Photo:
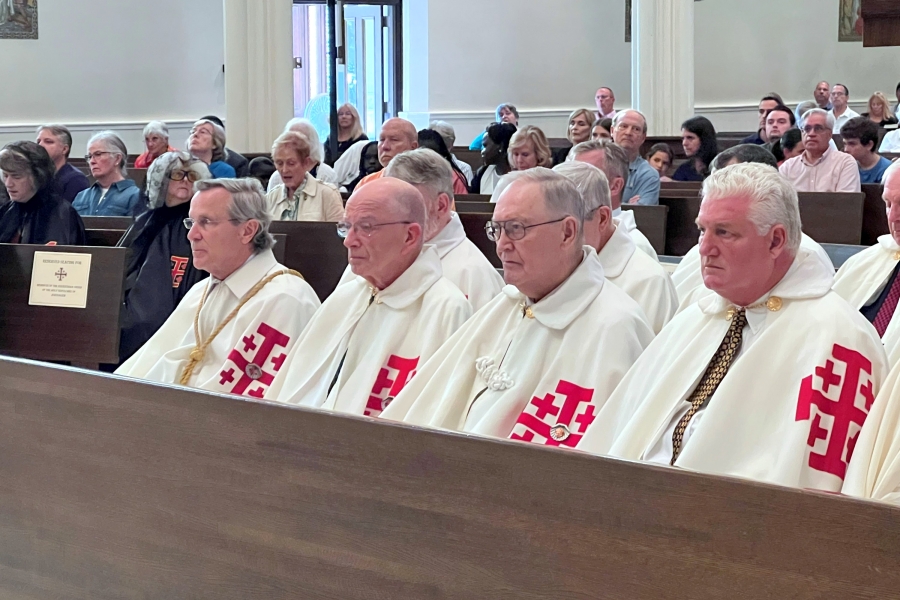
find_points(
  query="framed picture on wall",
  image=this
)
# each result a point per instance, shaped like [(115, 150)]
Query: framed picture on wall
[(850, 23), (18, 19)]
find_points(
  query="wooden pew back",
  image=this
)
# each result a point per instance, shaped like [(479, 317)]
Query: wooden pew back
[(315, 250), (114, 489), (875, 223), (80, 335), (651, 221)]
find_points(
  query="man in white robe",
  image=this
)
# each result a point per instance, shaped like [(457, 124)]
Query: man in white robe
[(540, 359), (461, 260), (768, 378), (373, 333), (869, 281), (687, 277), (231, 332), (639, 276), (613, 161)]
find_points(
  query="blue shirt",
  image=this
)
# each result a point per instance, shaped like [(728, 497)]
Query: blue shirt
[(221, 170), (478, 142), (121, 200), (643, 181), (874, 174)]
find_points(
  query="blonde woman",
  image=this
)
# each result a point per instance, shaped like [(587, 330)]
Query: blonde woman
[(528, 148), (581, 122), (350, 131), (880, 110), (300, 196)]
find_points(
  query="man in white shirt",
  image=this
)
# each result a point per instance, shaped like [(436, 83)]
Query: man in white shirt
[(539, 360), (373, 333), (821, 168), (841, 113), (231, 332), (869, 280), (639, 276), (606, 100), (613, 161), (769, 378)]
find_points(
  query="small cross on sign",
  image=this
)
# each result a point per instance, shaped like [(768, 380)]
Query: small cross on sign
[(61, 274)]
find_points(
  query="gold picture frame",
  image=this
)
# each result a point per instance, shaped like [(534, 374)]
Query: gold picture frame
[(850, 24), (18, 19)]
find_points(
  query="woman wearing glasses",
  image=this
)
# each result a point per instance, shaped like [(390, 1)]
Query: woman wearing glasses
[(37, 214), (160, 269), (111, 195)]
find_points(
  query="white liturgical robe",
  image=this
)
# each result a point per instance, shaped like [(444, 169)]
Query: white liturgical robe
[(789, 409), (862, 279), (536, 372), (626, 218), (246, 355), (364, 345), (688, 278), (874, 471), (462, 263), (639, 276)]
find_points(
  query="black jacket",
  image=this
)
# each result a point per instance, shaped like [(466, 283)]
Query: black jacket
[(43, 219), (158, 274)]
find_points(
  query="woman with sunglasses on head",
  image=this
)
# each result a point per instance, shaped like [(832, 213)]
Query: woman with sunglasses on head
[(160, 270)]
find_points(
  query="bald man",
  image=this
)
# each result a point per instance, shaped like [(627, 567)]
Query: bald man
[(373, 333), (539, 361), (397, 135)]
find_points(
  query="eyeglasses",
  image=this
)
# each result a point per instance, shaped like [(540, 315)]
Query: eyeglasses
[(96, 155), (180, 175), (364, 228), (514, 229), (204, 223), (815, 129)]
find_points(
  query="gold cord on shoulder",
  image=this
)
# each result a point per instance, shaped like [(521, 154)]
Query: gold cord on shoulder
[(199, 352)]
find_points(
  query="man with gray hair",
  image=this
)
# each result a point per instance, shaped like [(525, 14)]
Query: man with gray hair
[(540, 359), (461, 260), (821, 168), (769, 377), (373, 333), (630, 132), (448, 134), (231, 333), (613, 161), (639, 276)]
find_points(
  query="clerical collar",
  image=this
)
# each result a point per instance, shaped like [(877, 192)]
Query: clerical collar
[(248, 274), (413, 282)]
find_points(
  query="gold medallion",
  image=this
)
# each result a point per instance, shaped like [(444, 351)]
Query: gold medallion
[(774, 303), (896, 255)]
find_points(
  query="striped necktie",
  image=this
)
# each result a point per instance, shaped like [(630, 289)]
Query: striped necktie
[(886, 312)]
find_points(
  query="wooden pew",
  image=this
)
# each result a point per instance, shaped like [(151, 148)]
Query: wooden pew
[(679, 189), (470, 157), (832, 218), (473, 223), (87, 336), (681, 227), (116, 489), (315, 250), (107, 222), (875, 222), (475, 207), (651, 221)]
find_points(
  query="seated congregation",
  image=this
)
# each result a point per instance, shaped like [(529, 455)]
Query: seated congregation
[(752, 359)]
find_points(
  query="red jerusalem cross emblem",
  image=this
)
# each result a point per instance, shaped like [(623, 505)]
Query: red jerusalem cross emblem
[(390, 381), (252, 365), (179, 264), (558, 419), (841, 394)]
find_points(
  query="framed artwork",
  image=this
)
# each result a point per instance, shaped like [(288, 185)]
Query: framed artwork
[(627, 21), (850, 23), (18, 19)]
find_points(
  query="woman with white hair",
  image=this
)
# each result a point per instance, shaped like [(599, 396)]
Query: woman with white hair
[(112, 195), (160, 267), (350, 131), (156, 139), (301, 197), (207, 142), (320, 170)]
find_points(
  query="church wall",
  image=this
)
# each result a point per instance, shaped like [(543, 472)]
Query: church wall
[(113, 64)]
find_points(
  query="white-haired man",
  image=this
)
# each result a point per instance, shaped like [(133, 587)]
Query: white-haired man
[(373, 333), (688, 276), (448, 134), (630, 132), (232, 332), (613, 161), (539, 360), (869, 280), (821, 168), (462, 262), (769, 378), (639, 276)]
